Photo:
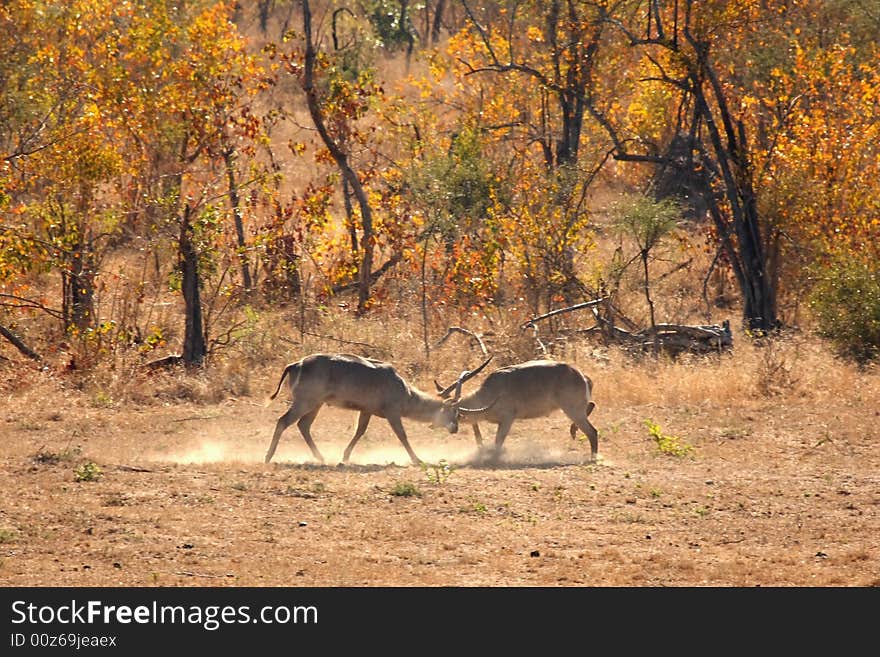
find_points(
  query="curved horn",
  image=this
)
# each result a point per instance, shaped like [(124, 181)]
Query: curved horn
[(477, 410), (464, 376)]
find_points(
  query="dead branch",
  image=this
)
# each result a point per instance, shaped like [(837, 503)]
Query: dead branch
[(464, 331), (578, 306), (164, 363), (19, 344), (23, 302), (133, 468)]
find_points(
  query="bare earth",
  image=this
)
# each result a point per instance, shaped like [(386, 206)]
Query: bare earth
[(774, 494)]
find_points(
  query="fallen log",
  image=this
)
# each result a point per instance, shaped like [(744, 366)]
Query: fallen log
[(673, 339)]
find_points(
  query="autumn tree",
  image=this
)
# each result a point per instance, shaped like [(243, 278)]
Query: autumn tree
[(556, 46), (684, 42), (60, 154), (338, 93)]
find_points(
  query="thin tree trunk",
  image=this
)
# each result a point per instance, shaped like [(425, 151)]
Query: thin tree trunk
[(349, 217), (425, 298), (78, 304), (438, 22), (235, 203), (194, 349), (341, 159)]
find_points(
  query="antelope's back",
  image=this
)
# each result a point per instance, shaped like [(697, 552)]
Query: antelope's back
[(350, 381), (536, 387)]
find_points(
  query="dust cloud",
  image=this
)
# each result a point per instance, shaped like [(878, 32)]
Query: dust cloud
[(464, 455), (211, 451)]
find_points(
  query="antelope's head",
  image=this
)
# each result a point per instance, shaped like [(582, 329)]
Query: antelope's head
[(450, 412)]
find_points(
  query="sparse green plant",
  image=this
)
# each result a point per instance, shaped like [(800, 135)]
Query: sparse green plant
[(647, 222), (6, 535), (405, 489), (53, 458), (88, 471), (438, 473), (667, 444), (474, 507), (605, 432), (654, 492)]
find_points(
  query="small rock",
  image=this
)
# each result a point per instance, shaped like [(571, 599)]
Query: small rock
[(303, 523), (535, 553)]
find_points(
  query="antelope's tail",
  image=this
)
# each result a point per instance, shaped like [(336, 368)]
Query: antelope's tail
[(289, 371)]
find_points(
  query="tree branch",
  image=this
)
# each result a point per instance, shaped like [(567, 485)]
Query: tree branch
[(19, 344)]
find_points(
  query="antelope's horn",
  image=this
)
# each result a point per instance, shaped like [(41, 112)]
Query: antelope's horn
[(464, 376)]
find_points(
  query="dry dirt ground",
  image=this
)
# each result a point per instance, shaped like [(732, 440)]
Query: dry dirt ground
[(775, 493)]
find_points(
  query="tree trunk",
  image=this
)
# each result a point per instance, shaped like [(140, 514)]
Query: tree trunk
[(78, 288), (740, 230), (194, 349), (235, 203), (438, 22), (759, 301), (341, 159), (349, 217)]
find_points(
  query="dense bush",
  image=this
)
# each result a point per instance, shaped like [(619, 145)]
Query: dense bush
[(846, 303)]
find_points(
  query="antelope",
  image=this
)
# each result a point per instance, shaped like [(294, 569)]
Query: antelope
[(370, 386), (529, 390)]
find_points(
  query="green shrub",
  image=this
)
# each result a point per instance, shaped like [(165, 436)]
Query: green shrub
[(846, 303), (405, 489), (87, 472), (672, 445), (438, 473)]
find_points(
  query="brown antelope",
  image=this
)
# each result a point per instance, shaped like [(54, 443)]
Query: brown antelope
[(529, 390), (370, 386)]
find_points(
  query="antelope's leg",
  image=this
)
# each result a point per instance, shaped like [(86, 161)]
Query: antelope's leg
[(478, 435), (501, 434), (579, 418), (363, 421), (297, 410), (397, 427), (304, 424)]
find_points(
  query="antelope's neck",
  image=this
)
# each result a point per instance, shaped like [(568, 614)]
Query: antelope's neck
[(422, 406)]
